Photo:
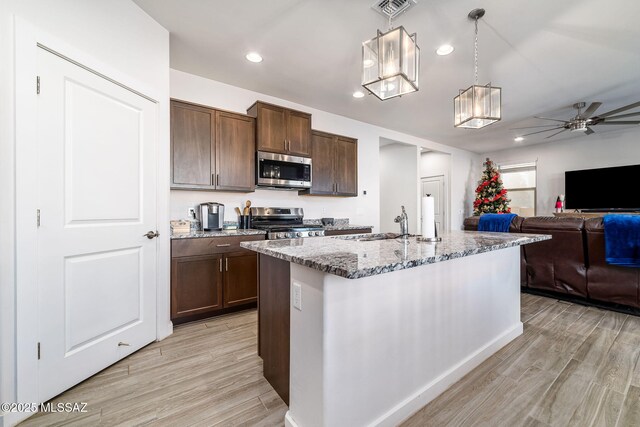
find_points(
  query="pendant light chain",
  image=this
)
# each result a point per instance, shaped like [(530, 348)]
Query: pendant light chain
[(476, 53)]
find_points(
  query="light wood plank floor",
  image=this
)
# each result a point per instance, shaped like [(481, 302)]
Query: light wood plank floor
[(573, 366)]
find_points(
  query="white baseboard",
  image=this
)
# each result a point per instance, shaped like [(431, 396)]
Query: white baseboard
[(414, 403), (288, 421)]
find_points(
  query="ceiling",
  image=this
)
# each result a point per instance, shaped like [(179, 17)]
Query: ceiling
[(545, 54)]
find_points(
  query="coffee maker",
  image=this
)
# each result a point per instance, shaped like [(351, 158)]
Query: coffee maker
[(211, 216)]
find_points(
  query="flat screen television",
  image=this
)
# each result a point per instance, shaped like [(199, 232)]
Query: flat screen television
[(584, 189)]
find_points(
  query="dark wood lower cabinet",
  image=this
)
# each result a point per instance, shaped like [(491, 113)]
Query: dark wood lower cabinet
[(240, 279), (212, 276), (196, 285), (273, 323)]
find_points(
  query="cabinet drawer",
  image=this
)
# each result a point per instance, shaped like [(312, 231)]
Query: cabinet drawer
[(210, 245)]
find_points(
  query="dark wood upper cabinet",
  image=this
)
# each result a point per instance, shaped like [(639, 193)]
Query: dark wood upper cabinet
[(346, 166), (334, 170), (211, 149), (192, 146), (235, 152), (281, 130)]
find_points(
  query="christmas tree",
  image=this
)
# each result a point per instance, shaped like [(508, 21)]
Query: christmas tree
[(491, 197)]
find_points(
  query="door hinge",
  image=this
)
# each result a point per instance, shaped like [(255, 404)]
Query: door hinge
[(38, 351), (38, 216), (38, 85)]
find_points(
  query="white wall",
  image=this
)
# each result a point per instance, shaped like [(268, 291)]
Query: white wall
[(399, 186), (618, 148), (116, 33), (433, 163), (362, 210)]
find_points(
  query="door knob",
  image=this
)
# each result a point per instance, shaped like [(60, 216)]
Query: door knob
[(121, 344), (151, 234)]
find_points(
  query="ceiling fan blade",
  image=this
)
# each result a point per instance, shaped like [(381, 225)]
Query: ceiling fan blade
[(611, 122), (589, 111), (551, 136), (540, 131), (620, 110), (623, 115), (589, 131), (555, 120), (531, 127)]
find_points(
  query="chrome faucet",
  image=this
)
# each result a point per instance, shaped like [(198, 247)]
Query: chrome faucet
[(403, 220)]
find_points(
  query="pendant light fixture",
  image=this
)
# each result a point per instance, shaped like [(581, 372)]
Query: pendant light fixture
[(478, 106), (391, 63)]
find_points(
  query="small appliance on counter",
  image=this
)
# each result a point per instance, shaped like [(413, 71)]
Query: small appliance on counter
[(211, 216)]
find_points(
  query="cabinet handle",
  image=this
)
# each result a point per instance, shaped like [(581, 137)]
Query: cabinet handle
[(213, 179), (224, 245), (217, 179), (220, 265), (337, 187), (226, 264)]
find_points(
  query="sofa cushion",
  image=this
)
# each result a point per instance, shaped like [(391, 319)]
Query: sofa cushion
[(609, 283), (558, 264)]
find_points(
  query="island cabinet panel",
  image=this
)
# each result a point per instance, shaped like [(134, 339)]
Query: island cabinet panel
[(211, 149), (274, 323), (240, 278), (334, 169), (211, 276), (196, 285), (192, 145), (281, 130)]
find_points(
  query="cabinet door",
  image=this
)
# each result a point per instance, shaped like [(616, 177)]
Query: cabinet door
[(298, 133), (235, 152), (271, 122), (240, 278), (192, 142), (346, 169), (196, 285), (323, 159)]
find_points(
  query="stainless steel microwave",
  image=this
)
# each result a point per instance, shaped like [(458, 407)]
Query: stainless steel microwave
[(282, 171)]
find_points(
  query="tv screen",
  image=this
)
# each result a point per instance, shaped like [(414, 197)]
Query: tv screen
[(603, 189)]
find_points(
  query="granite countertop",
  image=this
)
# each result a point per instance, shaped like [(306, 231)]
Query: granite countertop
[(346, 227), (347, 256), (219, 233)]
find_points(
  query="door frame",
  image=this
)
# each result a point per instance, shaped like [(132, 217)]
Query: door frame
[(26, 41), (445, 202)]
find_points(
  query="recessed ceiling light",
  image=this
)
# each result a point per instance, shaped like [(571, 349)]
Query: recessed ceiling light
[(253, 57), (358, 94), (518, 139), (445, 49)]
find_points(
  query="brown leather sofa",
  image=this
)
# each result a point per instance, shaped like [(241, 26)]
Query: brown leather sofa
[(572, 264)]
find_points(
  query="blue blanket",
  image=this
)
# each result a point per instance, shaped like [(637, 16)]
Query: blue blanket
[(622, 240), (495, 222)]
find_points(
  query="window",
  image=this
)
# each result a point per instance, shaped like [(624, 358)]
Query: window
[(520, 182)]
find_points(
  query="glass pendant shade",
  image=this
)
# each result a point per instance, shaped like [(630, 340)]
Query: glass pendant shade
[(477, 107), (390, 64)]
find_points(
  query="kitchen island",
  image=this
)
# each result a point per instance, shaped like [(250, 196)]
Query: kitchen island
[(376, 327)]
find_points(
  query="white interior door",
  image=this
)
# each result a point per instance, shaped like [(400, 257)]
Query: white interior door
[(435, 186), (96, 197)]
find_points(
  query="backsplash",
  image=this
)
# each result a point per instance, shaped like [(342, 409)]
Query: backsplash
[(314, 207)]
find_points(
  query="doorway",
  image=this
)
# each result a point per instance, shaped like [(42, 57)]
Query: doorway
[(435, 187)]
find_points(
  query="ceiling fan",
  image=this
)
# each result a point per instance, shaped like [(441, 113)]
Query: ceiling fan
[(584, 120)]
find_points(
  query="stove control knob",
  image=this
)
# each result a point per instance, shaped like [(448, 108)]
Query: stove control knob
[(281, 235), (314, 233), (298, 234)]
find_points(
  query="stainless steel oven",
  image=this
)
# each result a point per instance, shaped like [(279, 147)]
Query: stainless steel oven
[(282, 171)]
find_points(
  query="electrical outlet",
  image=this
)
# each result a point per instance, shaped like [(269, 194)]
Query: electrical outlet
[(297, 296), (191, 213)]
